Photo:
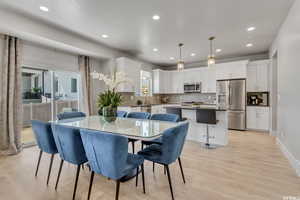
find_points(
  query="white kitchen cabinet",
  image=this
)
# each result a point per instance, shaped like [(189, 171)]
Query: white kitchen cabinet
[(258, 118), (159, 82), (209, 83), (133, 70), (258, 76), (231, 70)]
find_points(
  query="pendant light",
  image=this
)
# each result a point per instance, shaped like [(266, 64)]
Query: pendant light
[(180, 64), (211, 58)]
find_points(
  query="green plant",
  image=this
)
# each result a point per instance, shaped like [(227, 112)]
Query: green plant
[(36, 90), (109, 98)]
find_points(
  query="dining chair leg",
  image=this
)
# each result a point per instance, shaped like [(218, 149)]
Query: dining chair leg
[(169, 179), (165, 170), (91, 184), (143, 178), (132, 144), (117, 190), (153, 166), (38, 164), (50, 168), (137, 177), (59, 172), (179, 160), (76, 181)]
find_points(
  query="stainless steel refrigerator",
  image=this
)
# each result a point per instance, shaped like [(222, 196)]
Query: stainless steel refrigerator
[(231, 95)]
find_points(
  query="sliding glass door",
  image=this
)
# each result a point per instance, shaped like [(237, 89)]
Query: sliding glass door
[(45, 94)]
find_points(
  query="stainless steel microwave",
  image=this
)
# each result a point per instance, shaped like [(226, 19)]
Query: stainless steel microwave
[(192, 87)]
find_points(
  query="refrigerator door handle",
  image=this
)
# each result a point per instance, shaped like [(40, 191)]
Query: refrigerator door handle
[(229, 97)]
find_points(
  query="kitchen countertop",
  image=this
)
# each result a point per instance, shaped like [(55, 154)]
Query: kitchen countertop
[(197, 107)]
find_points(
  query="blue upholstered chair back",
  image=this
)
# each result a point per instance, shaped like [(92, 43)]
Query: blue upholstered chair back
[(69, 144), (121, 113), (107, 153), (172, 143), (165, 117), (69, 115), (138, 115), (44, 136)]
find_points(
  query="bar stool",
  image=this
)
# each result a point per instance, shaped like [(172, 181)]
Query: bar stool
[(176, 111), (208, 117)]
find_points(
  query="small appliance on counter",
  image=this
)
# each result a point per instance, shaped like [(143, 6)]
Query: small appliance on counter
[(258, 99)]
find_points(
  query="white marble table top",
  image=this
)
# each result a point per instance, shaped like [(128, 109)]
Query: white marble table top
[(128, 127)]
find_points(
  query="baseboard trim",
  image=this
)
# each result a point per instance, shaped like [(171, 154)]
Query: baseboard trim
[(291, 158)]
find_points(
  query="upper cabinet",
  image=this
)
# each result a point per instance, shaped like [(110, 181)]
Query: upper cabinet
[(231, 70), (258, 76), (133, 70), (172, 82)]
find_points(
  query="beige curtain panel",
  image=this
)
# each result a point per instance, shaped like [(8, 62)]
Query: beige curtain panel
[(10, 98), (84, 68)]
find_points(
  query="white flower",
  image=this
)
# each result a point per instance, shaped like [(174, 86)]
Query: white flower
[(112, 83)]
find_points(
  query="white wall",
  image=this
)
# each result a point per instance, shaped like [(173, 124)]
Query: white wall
[(287, 46)]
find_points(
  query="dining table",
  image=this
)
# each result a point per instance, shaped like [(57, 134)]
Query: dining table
[(141, 129)]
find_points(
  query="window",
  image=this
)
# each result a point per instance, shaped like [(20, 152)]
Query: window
[(73, 85), (36, 82), (146, 83)]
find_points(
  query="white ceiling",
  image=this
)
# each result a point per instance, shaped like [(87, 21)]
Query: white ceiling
[(130, 26)]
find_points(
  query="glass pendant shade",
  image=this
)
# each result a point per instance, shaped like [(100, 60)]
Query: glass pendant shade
[(211, 60), (180, 65)]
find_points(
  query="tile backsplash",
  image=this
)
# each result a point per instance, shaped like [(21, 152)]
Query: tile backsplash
[(209, 98), (131, 99)]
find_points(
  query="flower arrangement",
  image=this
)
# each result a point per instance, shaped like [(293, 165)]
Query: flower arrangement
[(109, 100)]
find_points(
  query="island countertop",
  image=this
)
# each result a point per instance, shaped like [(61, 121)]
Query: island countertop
[(200, 107)]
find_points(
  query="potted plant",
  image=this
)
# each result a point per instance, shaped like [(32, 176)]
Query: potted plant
[(110, 99), (108, 103)]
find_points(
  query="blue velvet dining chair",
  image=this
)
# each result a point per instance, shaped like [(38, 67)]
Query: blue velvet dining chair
[(70, 148), (45, 141), (69, 115), (137, 115), (108, 155), (169, 151), (160, 117), (121, 113)]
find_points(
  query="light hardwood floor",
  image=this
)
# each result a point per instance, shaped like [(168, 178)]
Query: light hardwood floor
[(250, 167)]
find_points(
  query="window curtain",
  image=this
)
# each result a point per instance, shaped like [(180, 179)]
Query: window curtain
[(84, 68), (10, 98)]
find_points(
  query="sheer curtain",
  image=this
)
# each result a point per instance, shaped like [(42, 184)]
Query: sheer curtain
[(10, 98), (84, 68)]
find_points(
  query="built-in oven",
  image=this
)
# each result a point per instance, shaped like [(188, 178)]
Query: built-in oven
[(192, 87)]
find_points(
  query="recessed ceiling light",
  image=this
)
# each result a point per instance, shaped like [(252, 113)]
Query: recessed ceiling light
[(155, 49), (44, 8), (104, 36), (249, 45), (218, 50), (193, 54), (252, 28), (155, 17), (172, 58)]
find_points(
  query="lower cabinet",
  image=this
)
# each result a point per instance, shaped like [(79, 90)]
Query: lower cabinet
[(258, 118)]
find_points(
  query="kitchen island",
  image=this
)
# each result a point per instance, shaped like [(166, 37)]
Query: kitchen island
[(197, 131)]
